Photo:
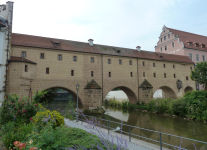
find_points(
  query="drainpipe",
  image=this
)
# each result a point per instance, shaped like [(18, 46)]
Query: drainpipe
[(7, 61), (138, 79), (102, 75)]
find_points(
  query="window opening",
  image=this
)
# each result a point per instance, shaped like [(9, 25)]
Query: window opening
[(91, 73), (47, 70), (26, 68), (109, 74), (24, 54), (92, 60), (59, 57), (72, 72), (42, 56), (109, 61), (74, 58)]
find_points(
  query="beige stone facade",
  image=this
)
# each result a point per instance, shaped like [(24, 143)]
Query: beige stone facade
[(126, 73)]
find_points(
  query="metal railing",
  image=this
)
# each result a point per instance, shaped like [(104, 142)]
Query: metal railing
[(82, 116)]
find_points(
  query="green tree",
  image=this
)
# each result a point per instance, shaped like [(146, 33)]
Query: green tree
[(200, 73)]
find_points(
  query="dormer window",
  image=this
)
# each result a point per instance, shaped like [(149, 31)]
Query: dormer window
[(159, 55), (55, 43), (190, 43), (203, 45), (196, 44), (118, 51)]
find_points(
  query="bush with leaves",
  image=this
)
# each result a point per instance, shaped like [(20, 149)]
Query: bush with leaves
[(196, 104), (178, 107), (160, 105)]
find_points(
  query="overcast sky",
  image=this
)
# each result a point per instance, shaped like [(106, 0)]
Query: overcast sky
[(121, 23)]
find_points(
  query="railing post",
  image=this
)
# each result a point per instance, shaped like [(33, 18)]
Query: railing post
[(108, 127), (160, 141), (93, 123), (81, 119), (129, 135)]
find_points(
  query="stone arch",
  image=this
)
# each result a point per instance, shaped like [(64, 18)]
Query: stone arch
[(130, 94), (187, 89), (168, 92), (74, 94)]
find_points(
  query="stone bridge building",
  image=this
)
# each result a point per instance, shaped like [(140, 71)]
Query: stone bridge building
[(42, 63)]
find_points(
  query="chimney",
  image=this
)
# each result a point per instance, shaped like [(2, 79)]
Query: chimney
[(138, 48), (90, 42)]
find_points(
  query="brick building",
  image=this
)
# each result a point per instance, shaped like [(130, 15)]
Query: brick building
[(177, 42)]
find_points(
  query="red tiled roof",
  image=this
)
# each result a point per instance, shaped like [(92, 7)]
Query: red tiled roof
[(20, 59), (44, 42), (186, 37)]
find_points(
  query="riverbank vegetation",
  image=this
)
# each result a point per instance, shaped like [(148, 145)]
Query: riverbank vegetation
[(193, 105)]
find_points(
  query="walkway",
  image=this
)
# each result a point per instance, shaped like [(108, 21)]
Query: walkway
[(135, 144)]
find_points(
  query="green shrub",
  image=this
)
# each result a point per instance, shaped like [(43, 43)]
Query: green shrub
[(160, 105), (43, 117), (178, 107), (196, 104)]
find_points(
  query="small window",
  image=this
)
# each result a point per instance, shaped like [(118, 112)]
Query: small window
[(191, 68), (109, 74), (153, 64), (203, 58), (161, 39), (72, 72), (26, 68), (118, 51), (203, 45), (197, 57), (165, 76), (174, 75), (131, 74), (191, 56), (74, 58), (143, 64), (173, 44), (91, 73), (59, 57), (164, 65), (173, 66), (190, 43), (143, 74), (24, 54), (42, 56), (165, 47), (160, 49), (109, 61), (186, 77), (196, 44), (120, 62), (168, 36), (164, 37), (154, 74), (47, 70), (92, 60), (130, 62)]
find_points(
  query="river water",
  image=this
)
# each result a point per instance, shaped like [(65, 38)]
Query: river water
[(167, 124)]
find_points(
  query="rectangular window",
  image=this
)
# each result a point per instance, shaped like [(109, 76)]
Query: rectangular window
[(109, 61), (161, 39), (165, 76), (92, 60), (74, 58), (42, 56), (154, 74), (168, 36), (143, 74), (173, 44), (204, 58), (186, 77), (109, 74), (24, 54), (120, 62), (91, 73), (72, 72), (164, 65), (164, 37), (160, 49), (131, 74), (197, 57), (143, 64), (59, 57), (165, 47), (47, 71), (173, 66), (130, 62), (191, 56), (174, 75), (26, 68), (153, 64), (191, 68)]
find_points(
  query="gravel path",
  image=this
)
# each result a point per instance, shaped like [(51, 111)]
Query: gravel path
[(140, 145)]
